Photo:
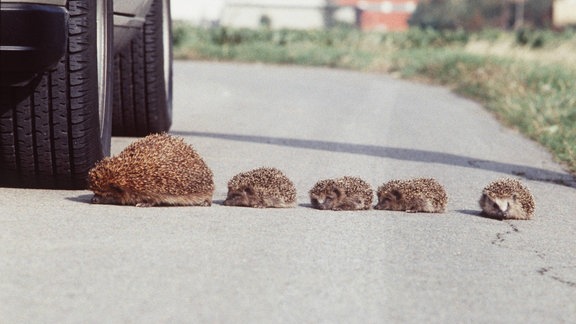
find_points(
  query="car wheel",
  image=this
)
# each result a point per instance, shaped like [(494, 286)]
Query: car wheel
[(143, 77), (54, 129)]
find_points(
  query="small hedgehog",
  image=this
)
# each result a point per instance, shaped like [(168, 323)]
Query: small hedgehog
[(261, 188), (158, 169), (346, 193), (413, 196), (507, 199)]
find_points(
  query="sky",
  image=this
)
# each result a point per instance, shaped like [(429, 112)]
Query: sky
[(196, 10)]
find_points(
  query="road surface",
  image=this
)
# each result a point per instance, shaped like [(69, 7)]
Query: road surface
[(63, 260)]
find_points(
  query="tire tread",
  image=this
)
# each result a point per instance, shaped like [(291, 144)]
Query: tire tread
[(141, 104), (49, 130)]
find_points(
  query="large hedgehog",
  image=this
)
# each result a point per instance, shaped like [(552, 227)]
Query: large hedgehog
[(156, 170), (413, 196), (261, 188), (507, 199), (346, 193)]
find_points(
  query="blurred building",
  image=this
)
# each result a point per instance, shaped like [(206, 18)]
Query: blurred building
[(293, 14), (386, 15), (383, 15), (205, 13), (564, 13)]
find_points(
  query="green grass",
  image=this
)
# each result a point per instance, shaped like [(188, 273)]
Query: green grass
[(537, 97)]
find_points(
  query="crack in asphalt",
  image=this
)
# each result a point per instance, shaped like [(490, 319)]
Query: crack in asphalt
[(546, 272), (501, 237)]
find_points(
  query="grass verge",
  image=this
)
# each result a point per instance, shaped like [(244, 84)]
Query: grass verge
[(537, 99), (535, 96)]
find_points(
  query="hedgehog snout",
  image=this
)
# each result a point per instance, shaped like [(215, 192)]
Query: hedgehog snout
[(322, 203), (508, 212), (97, 199), (236, 198), (503, 207), (103, 199), (385, 201), (328, 202)]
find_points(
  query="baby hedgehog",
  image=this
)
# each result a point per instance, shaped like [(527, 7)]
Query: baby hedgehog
[(158, 169), (261, 188), (415, 195), (507, 199), (346, 193)]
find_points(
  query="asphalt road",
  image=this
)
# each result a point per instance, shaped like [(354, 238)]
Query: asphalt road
[(63, 260)]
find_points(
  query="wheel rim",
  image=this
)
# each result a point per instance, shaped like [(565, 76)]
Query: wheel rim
[(103, 55), (167, 53)]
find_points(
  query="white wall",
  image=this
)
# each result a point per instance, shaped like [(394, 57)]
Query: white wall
[(240, 16), (564, 12), (294, 14), (299, 14), (196, 11)]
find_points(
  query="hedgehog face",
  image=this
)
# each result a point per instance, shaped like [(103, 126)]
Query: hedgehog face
[(502, 207), (240, 197), (110, 194), (494, 207), (326, 199), (103, 181), (389, 200)]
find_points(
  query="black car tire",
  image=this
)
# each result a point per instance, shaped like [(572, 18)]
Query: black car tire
[(54, 129), (143, 77)]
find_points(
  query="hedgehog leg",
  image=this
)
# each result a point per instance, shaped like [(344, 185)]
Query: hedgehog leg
[(144, 204), (206, 203)]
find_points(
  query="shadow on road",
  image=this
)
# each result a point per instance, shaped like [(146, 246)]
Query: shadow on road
[(477, 213), (526, 172)]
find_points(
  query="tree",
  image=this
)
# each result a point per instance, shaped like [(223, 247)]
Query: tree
[(473, 15)]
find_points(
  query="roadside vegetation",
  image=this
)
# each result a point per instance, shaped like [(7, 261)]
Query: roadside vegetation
[(526, 78)]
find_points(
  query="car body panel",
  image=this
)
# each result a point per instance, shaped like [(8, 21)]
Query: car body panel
[(33, 38), (43, 2), (136, 8), (18, 46), (131, 13)]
